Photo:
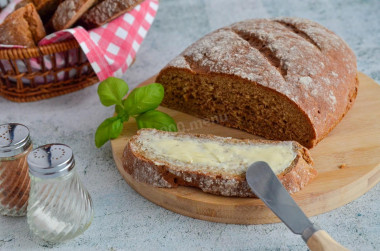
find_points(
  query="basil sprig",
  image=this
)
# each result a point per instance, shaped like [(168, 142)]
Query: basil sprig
[(144, 99), (140, 104)]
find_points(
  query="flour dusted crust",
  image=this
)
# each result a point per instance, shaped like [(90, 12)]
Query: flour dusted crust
[(22, 27), (162, 174), (68, 12), (106, 11), (300, 61)]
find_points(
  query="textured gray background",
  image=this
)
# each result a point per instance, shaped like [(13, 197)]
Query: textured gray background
[(125, 220)]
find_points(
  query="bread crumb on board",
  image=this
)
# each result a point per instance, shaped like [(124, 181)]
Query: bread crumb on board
[(342, 166)]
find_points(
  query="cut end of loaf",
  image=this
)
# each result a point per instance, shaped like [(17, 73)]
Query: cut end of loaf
[(35, 24), (283, 79), (244, 105), (214, 164)]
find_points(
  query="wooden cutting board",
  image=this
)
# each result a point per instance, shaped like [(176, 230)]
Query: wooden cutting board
[(355, 143)]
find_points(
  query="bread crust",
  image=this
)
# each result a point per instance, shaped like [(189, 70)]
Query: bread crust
[(301, 62), (68, 12), (22, 27), (145, 170), (106, 11), (22, 4)]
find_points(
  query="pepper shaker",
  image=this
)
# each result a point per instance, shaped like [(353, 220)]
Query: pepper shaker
[(60, 208), (15, 144)]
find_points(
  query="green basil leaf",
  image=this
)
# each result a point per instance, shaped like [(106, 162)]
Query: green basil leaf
[(156, 119), (112, 90), (119, 109), (144, 99), (108, 129), (123, 115)]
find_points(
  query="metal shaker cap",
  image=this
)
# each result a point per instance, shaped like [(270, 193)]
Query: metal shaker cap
[(14, 139), (51, 161)]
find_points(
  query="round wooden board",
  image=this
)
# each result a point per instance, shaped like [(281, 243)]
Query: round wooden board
[(355, 142)]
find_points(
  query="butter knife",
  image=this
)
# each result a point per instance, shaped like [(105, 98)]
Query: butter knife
[(265, 184)]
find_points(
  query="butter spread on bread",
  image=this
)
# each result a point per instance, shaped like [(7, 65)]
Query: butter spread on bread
[(214, 164), (283, 79), (231, 158)]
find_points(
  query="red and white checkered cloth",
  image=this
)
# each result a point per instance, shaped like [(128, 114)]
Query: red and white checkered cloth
[(111, 48)]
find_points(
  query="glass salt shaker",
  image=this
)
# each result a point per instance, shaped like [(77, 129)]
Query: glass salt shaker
[(60, 208), (15, 144)]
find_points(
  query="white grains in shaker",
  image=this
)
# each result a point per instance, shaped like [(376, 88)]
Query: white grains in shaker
[(60, 208)]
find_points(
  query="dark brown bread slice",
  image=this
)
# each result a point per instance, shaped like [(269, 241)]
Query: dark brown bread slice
[(106, 11), (69, 11), (283, 79), (163, 173), (22, 27)]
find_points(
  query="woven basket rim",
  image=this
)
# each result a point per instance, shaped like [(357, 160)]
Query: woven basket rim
[(26, 53)]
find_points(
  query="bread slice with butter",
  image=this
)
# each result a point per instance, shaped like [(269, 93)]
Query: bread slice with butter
[(214, 164)]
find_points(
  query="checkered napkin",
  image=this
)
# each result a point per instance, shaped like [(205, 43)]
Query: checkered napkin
[(111, 48)]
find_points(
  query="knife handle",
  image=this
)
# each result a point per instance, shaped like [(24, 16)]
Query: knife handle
[(322, 241)]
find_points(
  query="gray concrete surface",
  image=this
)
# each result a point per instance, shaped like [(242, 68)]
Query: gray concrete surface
[(126, 221)]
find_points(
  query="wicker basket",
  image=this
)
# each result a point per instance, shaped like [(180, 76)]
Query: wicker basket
[(42, 72)]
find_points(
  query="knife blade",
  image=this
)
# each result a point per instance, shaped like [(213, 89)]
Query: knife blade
[(265, 184)]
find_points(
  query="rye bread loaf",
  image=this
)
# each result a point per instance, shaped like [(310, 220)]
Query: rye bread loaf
[(106, 11), (145, 164), (22, 27), (283, 79)]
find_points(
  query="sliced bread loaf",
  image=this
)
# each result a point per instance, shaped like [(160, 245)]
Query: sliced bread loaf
[(282, 79), (214, 164), (22, 27), (68, 12), (106, 11)]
